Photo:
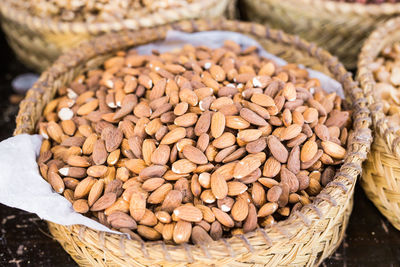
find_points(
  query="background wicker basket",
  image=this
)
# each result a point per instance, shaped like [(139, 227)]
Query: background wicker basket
[(38, 42), (381, 177), (306, 238), (338, 27)]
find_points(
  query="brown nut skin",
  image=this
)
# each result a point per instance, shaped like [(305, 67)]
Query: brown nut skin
[(193, 145)]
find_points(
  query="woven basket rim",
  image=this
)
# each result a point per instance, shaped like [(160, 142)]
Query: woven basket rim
[(36, 23), (309, 214), (346, 7), (368, 83)]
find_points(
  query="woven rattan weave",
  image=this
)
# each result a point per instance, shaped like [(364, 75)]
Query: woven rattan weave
[(381, 178)]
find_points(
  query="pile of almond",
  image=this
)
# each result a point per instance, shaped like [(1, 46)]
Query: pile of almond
[(95, 10), (193, 144), (386, 70)]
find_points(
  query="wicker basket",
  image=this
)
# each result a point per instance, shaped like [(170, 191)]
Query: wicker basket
[(306, 238), (38, 42), (381, 177), (336, 26)]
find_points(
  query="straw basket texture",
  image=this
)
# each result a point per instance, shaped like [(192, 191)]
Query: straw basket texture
[(336, 26), (381, 178), (306, 238), (39, 41)]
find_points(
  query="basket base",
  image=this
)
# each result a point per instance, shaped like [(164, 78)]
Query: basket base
[(380, 181), (85, 253)]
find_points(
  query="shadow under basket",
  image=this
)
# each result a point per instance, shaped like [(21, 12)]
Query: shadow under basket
[(381, 176), (339, 27), (38, 42), (307, 237)]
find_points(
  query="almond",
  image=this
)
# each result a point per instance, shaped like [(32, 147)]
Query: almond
[(240, 210), (277, 149), (152, 184), (160, 156), (225, 140), (119, 219), (251, 221), (168, 231), (188, 213), (137, 205), (95, 192), (148, 232), (99, 152), (87, 108), (81, 206), (246, 166), (216, 230), (262, 100), (217, 124), (104, 202), (289, 92), (267, 209), (181, 108), (289, 178), (152, 171), (290, 132), (56, 182), (159, 194), (172, 200), (182, 232), (195, 155), (310, 115), (258, 194), (252, 117), (135, 165), (173, 136), (148, 219), (54, 131), (200, 236), (217, 73), (186, 120), (112, 137), (236, 188), (334, 150), (84, 187), (293, 163), (97, 171), (249, 135), (203, 123), (223, 217), (322, 132), (236, 122), (78, 161), (308, 150), (219, 187), (183, 166), (148, 147)]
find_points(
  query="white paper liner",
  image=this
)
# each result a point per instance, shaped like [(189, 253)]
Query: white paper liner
[(21, 185)]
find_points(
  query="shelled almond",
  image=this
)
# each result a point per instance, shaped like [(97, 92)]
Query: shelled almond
[(194, 144), (386, 69), (95, 10)]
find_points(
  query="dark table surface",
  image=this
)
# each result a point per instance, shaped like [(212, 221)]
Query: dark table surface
[(25, 241)]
